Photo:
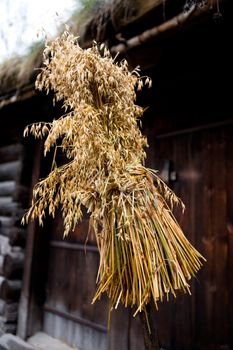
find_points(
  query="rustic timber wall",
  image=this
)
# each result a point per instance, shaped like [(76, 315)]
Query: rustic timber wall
[(201, 160), (12, 236)]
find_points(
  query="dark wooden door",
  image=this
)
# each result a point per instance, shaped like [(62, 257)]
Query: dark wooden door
[(72, 269), (71, 283), (202, 162)]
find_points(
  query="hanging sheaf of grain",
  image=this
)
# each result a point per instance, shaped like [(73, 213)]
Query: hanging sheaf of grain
[(144, 254)]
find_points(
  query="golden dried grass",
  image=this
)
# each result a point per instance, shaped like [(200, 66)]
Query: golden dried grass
[(144, 254)]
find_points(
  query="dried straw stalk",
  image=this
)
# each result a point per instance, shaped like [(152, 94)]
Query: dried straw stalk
[(144, 254)]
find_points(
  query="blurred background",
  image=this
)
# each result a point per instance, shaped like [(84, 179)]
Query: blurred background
[(47, 282)]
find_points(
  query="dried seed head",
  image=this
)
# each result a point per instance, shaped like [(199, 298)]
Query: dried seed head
[(143, 252)]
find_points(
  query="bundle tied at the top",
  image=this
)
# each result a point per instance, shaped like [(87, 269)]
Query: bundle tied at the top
[(144, 254)]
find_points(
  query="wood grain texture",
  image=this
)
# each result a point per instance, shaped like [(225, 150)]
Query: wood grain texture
[(10, 152), (10, 170), (203, 161)]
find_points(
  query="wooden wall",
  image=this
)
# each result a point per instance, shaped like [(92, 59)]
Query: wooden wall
[(71, 284), (16, 160), (203, 164), (12, 236)]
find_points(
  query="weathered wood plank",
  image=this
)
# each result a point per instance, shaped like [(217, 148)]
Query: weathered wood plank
[(2, 306), (7, 307), (136, 340), (13, 264), (79, 235), (30, 324), (68, 288), (8, 205), (5, 201), (14, 233), (11, 209), (20, 194), (74, 246), (197, 222), (6, 221), (10, 152), (7, 313), (10, 170), (17, 236), (195, 166), (229, 225), (78, 335), (1, 264), (9, 327), (220, 315), (10, 290), (184, 188), (77, 319), (4, 245), (7, 188), (120, 319)]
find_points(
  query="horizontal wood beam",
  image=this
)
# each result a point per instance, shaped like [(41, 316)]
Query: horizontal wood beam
[(16, 235), (12, 209), (10, 290), (10, 327), (13, 264), (19, 193), (10, 152), (74, 246), (4, 245), (76, 319), (6, 221), (7, 307), (7, 188), (10, 170), (8, 311)]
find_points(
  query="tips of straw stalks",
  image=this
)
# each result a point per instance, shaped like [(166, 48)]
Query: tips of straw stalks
[(144, 253)]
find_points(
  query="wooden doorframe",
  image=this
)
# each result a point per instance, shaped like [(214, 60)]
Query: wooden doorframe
[(26, 301)]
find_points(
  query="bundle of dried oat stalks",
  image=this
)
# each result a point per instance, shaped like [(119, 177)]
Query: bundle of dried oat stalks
[(144, 254)]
